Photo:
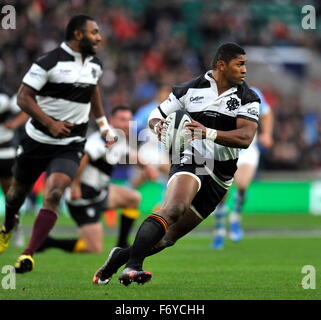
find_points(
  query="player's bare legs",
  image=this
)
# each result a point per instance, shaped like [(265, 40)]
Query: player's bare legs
[(5, 184), (18, 235), (118, 197), (119, 257), (93, 235), (180, 193), (15, 197), (55, 186), (129, 200)]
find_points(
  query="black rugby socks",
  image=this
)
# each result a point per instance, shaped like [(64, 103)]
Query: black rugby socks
[(149, 234), (68, 245), (125, 227)]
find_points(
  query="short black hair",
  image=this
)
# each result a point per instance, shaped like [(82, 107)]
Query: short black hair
[(76, 23), (114, 110), (227, 52)]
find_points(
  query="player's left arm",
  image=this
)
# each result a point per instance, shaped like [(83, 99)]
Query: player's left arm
[(241, 137), (266, 125), (247, 120), (99, 114)]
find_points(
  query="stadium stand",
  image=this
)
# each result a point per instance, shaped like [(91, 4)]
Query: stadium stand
[(150, 42)]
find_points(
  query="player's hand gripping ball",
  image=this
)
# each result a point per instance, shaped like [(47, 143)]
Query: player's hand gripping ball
[(173, 134)]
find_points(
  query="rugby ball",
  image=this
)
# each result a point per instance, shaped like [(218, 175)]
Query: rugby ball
[(173, 134)]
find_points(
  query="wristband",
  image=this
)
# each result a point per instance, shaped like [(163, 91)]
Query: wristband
[(102, 124), (211, 134)]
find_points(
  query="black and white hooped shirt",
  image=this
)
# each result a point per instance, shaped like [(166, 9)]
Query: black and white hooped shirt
[(200, 99), (8, 109), (97, 174), (64, 85)]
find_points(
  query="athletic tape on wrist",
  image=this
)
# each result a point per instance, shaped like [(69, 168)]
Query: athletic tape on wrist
[(102, 124), (211, 134)]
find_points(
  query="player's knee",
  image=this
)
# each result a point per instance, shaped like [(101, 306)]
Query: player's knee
[(174, 211), (53, 196), (16, 196), (167, 243), (163, 244)]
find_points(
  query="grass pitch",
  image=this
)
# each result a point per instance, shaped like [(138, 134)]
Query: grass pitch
[(261, 267)]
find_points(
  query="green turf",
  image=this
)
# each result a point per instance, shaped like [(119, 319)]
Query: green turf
[(253, 221), (261, 268)]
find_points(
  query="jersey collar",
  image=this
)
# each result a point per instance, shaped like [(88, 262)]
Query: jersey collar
[(214, 85), (65, 47), (69, 50)]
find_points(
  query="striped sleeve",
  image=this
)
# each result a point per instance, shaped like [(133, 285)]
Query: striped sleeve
[(4, 102), (170, 105)]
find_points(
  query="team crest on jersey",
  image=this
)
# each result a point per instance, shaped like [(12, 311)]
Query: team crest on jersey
[(232, 104)]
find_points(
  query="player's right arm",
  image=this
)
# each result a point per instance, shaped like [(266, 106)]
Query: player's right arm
[(26, 100), (33, 81), (157, 117)]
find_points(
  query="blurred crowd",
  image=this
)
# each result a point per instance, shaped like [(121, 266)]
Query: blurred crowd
[(148, 43), (297, 138)]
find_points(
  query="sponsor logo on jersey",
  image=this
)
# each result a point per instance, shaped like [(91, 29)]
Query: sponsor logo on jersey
[(65, 71), (253, 111), (34, 74), (196, 99)]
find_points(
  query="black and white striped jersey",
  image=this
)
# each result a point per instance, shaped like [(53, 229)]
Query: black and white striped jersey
[(97, 174), (200, 99), (8, 109), (64, 85)]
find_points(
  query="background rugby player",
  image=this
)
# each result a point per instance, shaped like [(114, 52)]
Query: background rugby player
[(58, 92)]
